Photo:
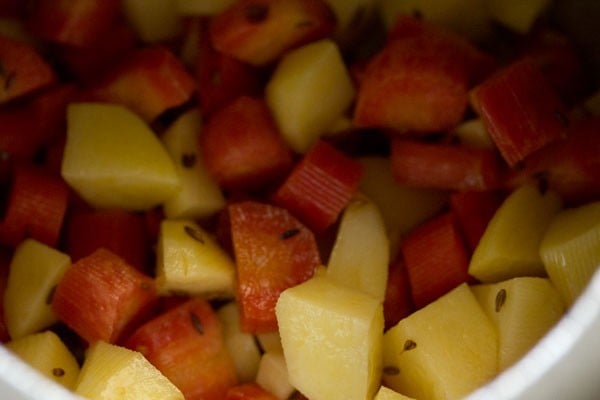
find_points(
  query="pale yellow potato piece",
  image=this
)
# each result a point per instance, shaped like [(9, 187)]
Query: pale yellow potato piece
[(45, 352), (570, 249), (190, 261), (510, 244), (112, 372), (518, 15), (361, 253), (523, 310), (114, 160), (308, 91), (473, 133), (199, 195), (385, 393), (443, 351), (35, 270), (273, 375), (153, 20), (402, 207), (331, 337), (242, 346)]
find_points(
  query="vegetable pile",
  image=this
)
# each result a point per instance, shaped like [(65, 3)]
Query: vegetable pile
[(307, 199)]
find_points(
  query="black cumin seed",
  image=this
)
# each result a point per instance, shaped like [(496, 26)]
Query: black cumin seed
[(289, 233), (196, 323), (194, 233), (256, 13), (391, 370), (500, 299), (188, 160), (409, 345)]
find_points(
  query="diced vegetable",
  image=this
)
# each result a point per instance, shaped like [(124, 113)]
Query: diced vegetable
[(185, 343), (328, 330), (308, 91), (22, 69), (199, 195), (122, 232), (570, 249), (242, 346), (523, 310), (473, 211), (273, 375), (35, 270), (273, 251), (149, 81), (242, 147), (74, 23), (259, 32), (37, 204), (360, 255), (101, 297), (510, 244), (191, 262), (320, 186), (154, 21), (112, 371), (385, 393), (519, 128), (46, 352), (221, 78), (443, 351), (436, 259), (403, 207), (518, 15), (444, 166), (113, 159)]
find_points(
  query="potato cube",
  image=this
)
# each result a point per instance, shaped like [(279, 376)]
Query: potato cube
[(190, 261), (510, 244), (443, 351), (46, 353), (113, 372), (331, 337), (361, 254), (570, 249), (523, 309), (114, 160), (35, 270), (309, 90)]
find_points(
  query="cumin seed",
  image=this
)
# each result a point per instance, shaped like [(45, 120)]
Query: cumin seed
[(409, 345), (500, 299), (289, 233), (196, 323), (194, 233), (188, 160)]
